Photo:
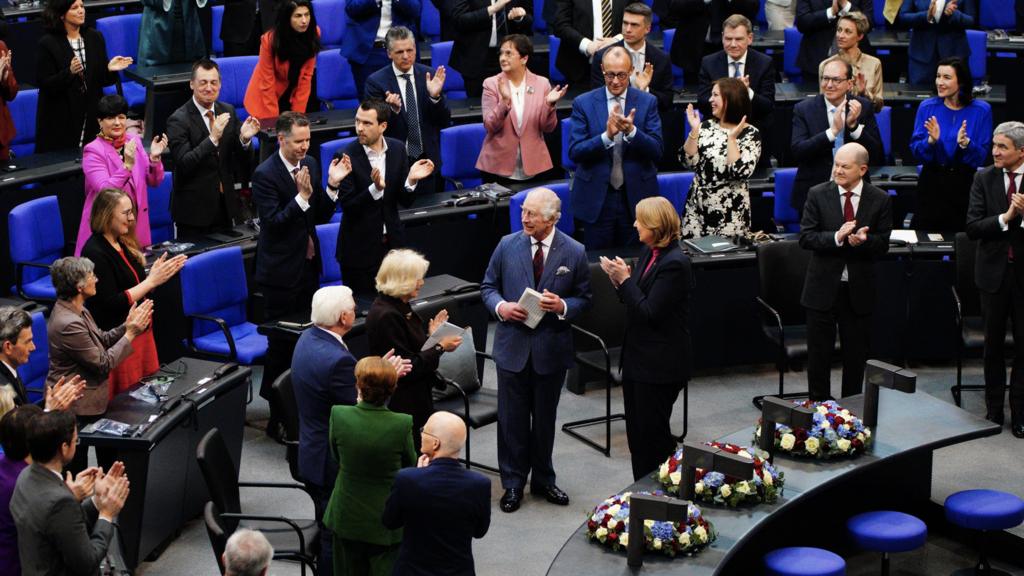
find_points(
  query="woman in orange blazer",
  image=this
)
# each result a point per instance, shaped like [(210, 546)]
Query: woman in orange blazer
[(519, 107), (283, 76), (8, 90)]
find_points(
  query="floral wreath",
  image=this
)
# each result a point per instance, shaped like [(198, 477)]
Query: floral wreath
[(836, 432), (765, 486), (608, 525)]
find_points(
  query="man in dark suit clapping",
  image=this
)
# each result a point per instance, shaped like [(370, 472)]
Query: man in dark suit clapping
[(209, 147), (698, 25), (994, 219), (846, 223), (737, 60), (441, 505)]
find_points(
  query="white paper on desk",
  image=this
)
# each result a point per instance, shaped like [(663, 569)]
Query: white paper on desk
[(530, 301), (443, 331), (908, 236)]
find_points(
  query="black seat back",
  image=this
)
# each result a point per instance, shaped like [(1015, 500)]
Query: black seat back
[(283, 397), (781, 269), (965, 252), (221, 475), (606, 316), (217, 533)]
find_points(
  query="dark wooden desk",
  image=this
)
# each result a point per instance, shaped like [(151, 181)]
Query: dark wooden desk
[(894, 473), (167, 488), (166, 89)]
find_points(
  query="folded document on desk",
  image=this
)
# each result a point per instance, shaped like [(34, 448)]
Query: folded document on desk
[(711, 244)]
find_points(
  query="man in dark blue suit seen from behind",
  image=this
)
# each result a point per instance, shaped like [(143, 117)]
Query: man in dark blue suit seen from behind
[(532, 362), (737, 60), (290, 202), (323, 376), (616, 145), (419, 109), (440, 504)]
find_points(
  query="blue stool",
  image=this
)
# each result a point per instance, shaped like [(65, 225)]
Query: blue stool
[(802, 561), (984, 510), (886, 532)]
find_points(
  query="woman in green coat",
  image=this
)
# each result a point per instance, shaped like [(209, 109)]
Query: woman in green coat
[(170, 32), (371, 444)]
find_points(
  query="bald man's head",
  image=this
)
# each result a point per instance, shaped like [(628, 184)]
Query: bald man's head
[(850, 165), (445, 434), (616, 65)]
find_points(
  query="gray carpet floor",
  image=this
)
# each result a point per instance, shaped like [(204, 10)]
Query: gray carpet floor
[(719, 404)]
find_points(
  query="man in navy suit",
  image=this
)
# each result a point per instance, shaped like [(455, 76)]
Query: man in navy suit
[(441, 505), (821, 125), (737, 60), (323, 376), (698, 25), (616, 145), (816, 20), (937, 34), (368, 23), (291, 202), (382, 179), (419, 109), (532, 362)]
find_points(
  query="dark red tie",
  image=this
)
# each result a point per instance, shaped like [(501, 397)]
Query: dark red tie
[(1010, 191), (538, 263), (848, 207)]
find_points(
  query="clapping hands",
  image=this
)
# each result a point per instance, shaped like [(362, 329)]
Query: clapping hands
[(339, 169), (556, 94), (618, 123), (436, 82), (617, 269)]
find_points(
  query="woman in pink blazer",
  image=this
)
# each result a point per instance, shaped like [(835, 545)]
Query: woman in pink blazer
[(519, 108), (116, 159)]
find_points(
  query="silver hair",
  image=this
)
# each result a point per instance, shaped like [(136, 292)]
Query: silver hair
[(247, 553), (396, 33), (551, 210), (12, 321), (329, 303), (69, 274), (1013, 130)]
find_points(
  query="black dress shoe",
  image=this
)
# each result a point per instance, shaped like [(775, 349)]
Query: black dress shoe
[(551, 493), (511, 499), (1018, 430)]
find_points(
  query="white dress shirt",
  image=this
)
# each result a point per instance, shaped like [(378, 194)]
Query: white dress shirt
[(385, 19), (336, 337)]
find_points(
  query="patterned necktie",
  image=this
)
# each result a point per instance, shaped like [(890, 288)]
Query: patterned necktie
[(414, 146), (310, 247), (606, 19), (616, 178), (1010, 191), (736, 68), (538, 263), (848, 214)]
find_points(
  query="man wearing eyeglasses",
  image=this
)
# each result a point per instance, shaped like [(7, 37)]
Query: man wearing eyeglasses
[(822, 124), (616, 144)]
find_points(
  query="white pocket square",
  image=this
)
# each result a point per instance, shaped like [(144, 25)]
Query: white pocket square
[(562, 270)]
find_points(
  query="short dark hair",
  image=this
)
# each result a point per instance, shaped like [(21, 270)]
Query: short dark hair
[(205, 64), (640, 9), (382, 108), (520, 42), (52, 16), (48, 432), (735, 98), (287, 120), (111, 105), (963, 77), (12, 321), (14, 430), (375, 380)]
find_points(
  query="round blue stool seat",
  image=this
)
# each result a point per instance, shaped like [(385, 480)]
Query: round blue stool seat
[(984, 509), (802, 561), (887, 531)]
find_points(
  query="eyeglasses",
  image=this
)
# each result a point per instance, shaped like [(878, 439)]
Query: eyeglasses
[(616, 76), (423, 432), (832, 80)]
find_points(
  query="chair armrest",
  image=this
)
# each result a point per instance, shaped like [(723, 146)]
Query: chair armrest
[(232, 352), (19, 274), (279, 485), (958, 308), (770, 312), (456, 183), (461, 391), (282, 519), (600, 342)]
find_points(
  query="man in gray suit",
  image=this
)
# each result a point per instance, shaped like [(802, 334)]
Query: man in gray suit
[(531, 362), (61, 530)]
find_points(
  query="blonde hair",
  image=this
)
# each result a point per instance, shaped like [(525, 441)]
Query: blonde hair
[(400, 271), (375, 380), (659, 216), (6, 399)]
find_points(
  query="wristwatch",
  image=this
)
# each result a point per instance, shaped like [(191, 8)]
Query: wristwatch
[(438, 348)]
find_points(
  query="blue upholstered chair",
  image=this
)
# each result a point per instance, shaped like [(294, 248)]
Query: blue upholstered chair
[(33, 372), (217, 22), (994, 14), (786, 217), (675, 186), (23, 112), (330, 271), (335, 86), (235, 72), (565, 223), (328, 150), (214, 297), (121, 34), (161, 224), (978, 42), (884, 119), (667, 37), (803, 561), (430, 21), (454, 85), (878, 21), (887, 531), (37, 239), (554, 74), (789, 53), (540, 25), (983, 511), (567, 164), (332, 20), (460, 147)]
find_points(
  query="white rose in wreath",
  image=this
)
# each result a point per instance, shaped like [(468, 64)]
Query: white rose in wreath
[(698, 488), (675, 477), (700, 534), (788, 441), (767, 479), (843, 444), (812, 445), (684, 539), (725, 490)]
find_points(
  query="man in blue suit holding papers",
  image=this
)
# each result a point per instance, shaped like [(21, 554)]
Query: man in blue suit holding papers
[(616, 145), (532, 362)]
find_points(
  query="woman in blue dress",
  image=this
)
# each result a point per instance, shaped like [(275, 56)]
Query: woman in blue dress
[(951, 139)]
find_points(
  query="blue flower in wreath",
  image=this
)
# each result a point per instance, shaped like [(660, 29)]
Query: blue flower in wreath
[(714, 480), (662, 530)]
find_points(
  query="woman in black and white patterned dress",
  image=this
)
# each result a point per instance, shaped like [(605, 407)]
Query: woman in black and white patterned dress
[(723, 152)]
